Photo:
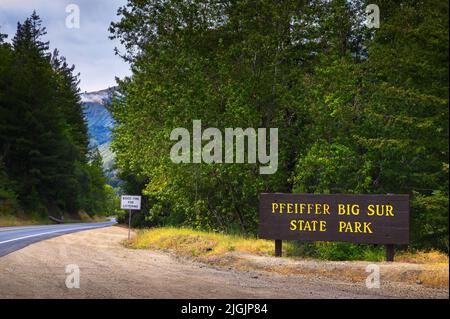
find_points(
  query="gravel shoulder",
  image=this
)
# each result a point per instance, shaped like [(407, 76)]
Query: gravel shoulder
[(109, 270)]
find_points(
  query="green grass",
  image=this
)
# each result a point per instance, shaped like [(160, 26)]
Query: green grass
[(338, 251)]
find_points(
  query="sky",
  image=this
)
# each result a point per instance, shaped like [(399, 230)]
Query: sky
[(87, 47)]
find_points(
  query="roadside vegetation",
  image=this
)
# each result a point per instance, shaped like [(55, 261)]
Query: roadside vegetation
[(195, 243), (24, 219), (359, 111), (429, 268), (11, 220)]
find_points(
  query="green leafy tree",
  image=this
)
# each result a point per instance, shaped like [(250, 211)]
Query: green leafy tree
[(230, 64), (94, 196), (358, 110)]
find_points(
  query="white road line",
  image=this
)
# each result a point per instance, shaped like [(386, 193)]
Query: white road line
[(46, 233)]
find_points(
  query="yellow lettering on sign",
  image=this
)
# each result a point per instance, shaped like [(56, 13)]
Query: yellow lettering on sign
[(293, 225), (301, 208), (380, 210), (355, 227), (323, 226), (348, 209), (289, 208), (367, 228), (389, 210), (308, 225), (318, 209), (274, 207)]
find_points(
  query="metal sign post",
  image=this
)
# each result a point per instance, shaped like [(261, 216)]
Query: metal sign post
[(129, 224), (130, 203)]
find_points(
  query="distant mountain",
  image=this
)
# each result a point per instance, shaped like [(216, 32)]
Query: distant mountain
[(100, 123)]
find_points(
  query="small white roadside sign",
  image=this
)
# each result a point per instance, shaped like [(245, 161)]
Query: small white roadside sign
[(130, 202)]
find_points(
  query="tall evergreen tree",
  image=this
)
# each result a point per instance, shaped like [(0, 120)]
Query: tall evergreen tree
[(6, 186), (43, 133), (406, 129), (381, 121), (37, 146), (68, 100)]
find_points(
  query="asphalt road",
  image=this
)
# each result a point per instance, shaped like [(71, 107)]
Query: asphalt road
[(15, 238)]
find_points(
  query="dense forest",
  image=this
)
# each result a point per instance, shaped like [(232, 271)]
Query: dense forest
[(46, 167), (359, 109)]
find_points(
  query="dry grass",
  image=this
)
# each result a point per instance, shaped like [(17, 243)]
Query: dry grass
[(85, 218), (26, 220), (188, 242), (425, 268), (421, 257), (13, 221), (435, 276), (435, 272)]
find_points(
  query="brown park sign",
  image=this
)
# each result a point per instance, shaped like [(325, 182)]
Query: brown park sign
[(374, 219)]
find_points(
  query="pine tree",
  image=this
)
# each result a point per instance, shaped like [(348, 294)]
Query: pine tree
[(43, 134), (7, 190), (69, 102), (2, 37), (406, 129), (38, 146), (33, 156), (380, 117)]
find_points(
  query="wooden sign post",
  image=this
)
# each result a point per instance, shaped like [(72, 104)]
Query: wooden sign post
[(129, 224), (390, 252), (371, 219), (278, 248)]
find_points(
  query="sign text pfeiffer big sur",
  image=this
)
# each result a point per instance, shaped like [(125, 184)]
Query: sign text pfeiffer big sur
[(376, 219)]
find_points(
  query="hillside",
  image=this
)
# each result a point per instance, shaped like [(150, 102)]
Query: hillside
[(100, 123)]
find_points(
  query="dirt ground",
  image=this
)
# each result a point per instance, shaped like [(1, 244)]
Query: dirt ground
[(108, 270)]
